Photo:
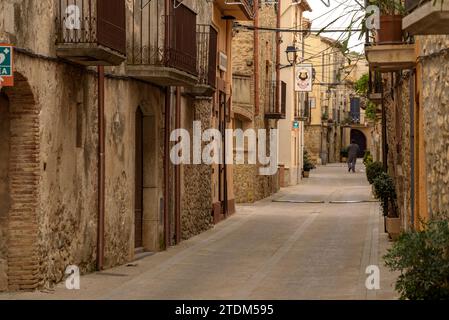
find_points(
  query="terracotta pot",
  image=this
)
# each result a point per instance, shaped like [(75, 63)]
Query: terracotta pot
[(393, 227), (306, 174), (390, 29)]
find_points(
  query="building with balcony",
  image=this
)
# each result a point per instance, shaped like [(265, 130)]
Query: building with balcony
[(291, 127), (254, 101), (99, 86)]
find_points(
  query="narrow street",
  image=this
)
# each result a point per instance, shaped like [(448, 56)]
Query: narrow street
[(311, 241)]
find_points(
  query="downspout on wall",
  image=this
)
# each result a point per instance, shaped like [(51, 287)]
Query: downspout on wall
[(101, 169), (278, 58), (412, 148), (167, 139), (167, 167), (178, 172), (256, 59)]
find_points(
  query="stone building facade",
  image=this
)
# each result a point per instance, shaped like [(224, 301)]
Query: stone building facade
[(49, 131), (418, 102), (249, 185)]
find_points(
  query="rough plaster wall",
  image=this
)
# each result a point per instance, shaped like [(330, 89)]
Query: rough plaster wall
[(28, 24), (67, 219), (435, 100)]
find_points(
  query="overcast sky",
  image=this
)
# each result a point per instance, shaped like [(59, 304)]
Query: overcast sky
[(337, 8)]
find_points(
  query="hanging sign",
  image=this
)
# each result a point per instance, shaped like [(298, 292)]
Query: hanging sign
[(303, 77), (6, 65)]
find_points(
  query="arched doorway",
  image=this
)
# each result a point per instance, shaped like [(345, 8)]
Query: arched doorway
[(360, 139), (19, 194)]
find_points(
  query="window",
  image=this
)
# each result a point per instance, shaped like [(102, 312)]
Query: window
[(312, 102)]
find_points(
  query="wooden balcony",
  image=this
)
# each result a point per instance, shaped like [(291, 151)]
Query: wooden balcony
[(163, 48), (207, 42), (390, 57), (91, 32), (238, 9), (431, 17), (275, 110)]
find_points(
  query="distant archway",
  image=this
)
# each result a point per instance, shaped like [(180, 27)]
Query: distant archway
[(359, 138)]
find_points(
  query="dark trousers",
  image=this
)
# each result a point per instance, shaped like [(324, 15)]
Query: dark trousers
[(351, 164)]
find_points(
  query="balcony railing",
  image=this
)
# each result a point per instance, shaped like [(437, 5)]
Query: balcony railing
[(207, 55), (426, 17), (239, 9), (275, 110), (91, 32), (249, 6), (165, 44)]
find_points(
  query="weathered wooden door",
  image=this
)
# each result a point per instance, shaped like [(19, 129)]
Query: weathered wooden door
[(138, 210)]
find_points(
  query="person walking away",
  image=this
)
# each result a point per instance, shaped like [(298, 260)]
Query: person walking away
[(353, 151)]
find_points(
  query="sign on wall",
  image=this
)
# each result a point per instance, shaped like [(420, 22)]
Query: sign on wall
[(6, 65), (303, 77), (295, 126)]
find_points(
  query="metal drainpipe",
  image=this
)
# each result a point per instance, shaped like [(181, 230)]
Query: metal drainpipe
[(384, 147), (167, 135), (256, 59), (167, 167), (278, 59), (178, 172), (101, 169), (412, 149)]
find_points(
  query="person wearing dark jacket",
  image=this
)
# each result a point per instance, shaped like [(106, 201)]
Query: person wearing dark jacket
[(353, 151)]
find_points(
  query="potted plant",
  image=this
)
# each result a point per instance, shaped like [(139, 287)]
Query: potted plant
[(391, 13), (421, 257), (308, 165), (367, 158), (325, 116), (344, 154), (373, 170), (384, 190)]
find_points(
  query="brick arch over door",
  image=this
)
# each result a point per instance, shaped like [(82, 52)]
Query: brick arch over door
[(23, 262)]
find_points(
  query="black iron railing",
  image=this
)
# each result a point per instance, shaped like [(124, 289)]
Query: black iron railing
[(149, 44), (273, 109), (207, 38), (101, 22), (249, 7)]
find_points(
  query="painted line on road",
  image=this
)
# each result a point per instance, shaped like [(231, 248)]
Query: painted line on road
[(267, 267), (322, 201), (352, 201), (299, 201)]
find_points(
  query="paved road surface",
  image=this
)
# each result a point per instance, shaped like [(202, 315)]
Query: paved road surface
[(278, 248)]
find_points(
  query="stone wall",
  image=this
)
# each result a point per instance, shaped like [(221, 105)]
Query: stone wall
[(435, 104), (196, 213), (312, 141), (249, 186), (398, 140), (66, 199)]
